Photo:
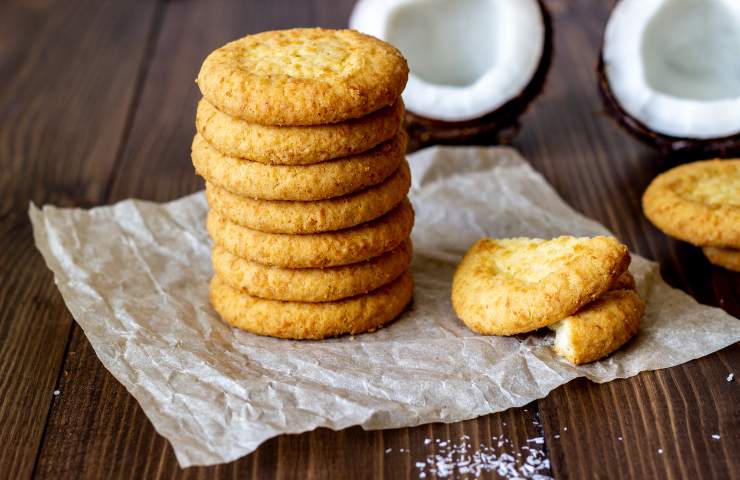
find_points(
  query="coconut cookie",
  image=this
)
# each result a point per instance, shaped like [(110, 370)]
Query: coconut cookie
[(296, 145), (311, 284), (303, 76), (599, 328), (317, 250), (276, 216), (728, 258), (698, 203), (510, 286), (318, 181), (301, 320)]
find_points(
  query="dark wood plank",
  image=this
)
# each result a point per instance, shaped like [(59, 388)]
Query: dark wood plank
[(602, 172), (68, 71), (96, 429)]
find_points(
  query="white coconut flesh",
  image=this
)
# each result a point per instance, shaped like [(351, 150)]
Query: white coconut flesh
[(466, 58), (674, 65)]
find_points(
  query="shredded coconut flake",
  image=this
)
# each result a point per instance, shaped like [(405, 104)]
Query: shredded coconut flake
[(449, 458), (716, 436), (660, 451), (730, 377), (56, 392)]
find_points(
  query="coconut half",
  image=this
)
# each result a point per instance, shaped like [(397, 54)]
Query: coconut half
[(670, 73), (474, 65)]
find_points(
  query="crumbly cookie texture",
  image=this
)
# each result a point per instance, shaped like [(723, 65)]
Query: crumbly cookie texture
[(303, 76), (317, 250), (599, 328), (314, 321), (698, 203), (280, 216), (728, 258), (311, 284), (296, 145), (318, 181), (510, 286)]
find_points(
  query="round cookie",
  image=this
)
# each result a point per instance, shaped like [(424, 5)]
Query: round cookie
[(311, 284), (600, 327), (296, 145), (728, 258), (318, 181), (281, 216), (317, 250), (510, 286), (311, 321), (698, 203), (303, 76)]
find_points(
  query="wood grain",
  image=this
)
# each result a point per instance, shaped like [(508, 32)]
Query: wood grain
[(64, 105), (121, 77)]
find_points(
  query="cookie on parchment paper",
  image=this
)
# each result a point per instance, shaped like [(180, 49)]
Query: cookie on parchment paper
[(302, 320), (510, 286), (318, 250), (296, 145), (311, 284), (318, 181), (303, 76)]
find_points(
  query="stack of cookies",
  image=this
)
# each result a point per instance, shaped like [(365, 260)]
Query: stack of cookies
[(579, 287), (300, 141), (699, 203)]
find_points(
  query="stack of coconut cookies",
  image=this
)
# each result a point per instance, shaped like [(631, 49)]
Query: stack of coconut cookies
[(699, 203), (300, 142), (579, 287)]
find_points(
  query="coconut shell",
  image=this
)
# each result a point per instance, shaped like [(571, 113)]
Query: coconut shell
[(496, 127), (687, 148)]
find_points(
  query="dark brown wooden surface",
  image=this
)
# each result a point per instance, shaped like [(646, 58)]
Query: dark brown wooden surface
[(97, 105)]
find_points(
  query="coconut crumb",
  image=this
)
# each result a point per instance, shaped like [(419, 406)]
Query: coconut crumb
[(716, 436), (56, 392), (660, 451), (730, 377), (449, 458)]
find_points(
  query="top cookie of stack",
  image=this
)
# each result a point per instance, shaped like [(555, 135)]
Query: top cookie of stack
[(299, 139)]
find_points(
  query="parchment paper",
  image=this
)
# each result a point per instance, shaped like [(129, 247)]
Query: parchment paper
[(135, 277)]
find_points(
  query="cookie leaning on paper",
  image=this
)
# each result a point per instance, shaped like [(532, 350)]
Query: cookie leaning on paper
[(318, 181), (285, 216), (311, 284), (698, 203), (296, 145), (317, 250), (304, 321), (510, 286), (728, 258), (303, 76), (599, 328)]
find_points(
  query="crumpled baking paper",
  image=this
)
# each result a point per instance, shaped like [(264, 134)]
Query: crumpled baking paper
[(135, 277)]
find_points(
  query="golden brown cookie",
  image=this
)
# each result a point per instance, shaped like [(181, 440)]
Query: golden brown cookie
[(625, 282), (509, 286), (728, 258), (296, 145), (303, 76), (698, 203), (281, 216), (600, 327), (316, 250), (319, 181), (304, 321), (311, 284)]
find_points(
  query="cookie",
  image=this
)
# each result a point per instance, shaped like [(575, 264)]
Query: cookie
[(599, 328), (625, 282), (318, 181), (510, 286), (303, 76), (296, 145), (728, 258), (698, 203), (311, 284), (316, 250), (304, 321), (280, 216)]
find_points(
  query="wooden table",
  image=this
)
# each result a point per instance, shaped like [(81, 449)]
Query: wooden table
[(97, 105)]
